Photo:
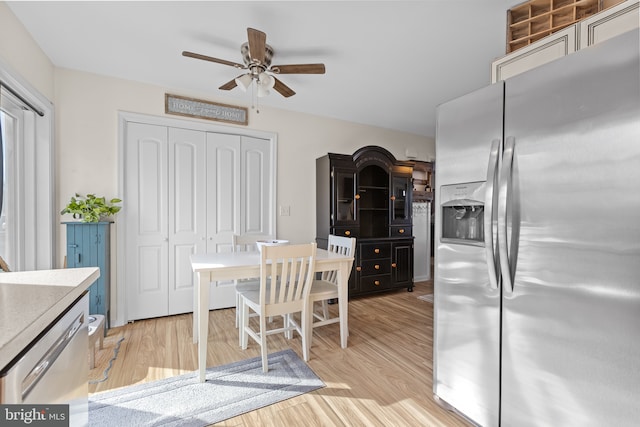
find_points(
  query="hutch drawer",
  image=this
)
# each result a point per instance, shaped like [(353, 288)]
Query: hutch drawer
[(401, 231), (375, 283), (371, 267), (376, 250), (346, 231)]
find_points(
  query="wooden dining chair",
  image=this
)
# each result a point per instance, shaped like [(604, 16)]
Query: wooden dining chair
[(325, 288), (286, 275)]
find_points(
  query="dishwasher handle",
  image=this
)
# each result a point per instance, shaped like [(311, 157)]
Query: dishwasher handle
[(32, 378)]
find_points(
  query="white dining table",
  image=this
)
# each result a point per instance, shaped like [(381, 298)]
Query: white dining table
[(212, 267)]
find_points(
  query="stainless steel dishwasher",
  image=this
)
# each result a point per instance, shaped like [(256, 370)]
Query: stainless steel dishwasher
[(54, 368)]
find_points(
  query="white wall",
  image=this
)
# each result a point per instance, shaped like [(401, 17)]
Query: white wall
[(87, 106), (23, 55)]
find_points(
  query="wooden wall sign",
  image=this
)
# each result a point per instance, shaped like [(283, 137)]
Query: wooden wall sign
[(201, 109)]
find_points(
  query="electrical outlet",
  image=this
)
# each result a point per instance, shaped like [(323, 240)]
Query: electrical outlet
[(285, 210)]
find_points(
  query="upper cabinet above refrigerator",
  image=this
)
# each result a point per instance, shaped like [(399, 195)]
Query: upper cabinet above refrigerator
[(614, 19), (609, 23)]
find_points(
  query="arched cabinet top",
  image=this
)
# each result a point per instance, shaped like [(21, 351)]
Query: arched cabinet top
[(373, 155)]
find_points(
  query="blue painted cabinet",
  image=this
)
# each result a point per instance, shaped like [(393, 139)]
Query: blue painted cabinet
[(88, 245)]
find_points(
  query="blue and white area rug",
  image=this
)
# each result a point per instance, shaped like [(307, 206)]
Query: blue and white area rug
[(229, 390)]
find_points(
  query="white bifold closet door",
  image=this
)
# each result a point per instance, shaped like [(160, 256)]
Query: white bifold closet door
[(187, 191), (238, 198)]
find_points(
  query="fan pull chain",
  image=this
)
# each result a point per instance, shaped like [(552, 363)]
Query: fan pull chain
[(255, 102)]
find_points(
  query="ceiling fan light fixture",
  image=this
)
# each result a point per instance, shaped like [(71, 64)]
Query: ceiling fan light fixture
[(263, 91), (266, 81), (244, 81)]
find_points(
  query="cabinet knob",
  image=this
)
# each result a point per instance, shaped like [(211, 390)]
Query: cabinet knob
[(377, 267), (394, 265), (393, 198), (358, 268), (347, 233), (357, 197), (401, 231), (377, 283), (376, 250)]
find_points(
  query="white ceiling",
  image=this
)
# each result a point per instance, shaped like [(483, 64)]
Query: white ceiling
[(389, 63)]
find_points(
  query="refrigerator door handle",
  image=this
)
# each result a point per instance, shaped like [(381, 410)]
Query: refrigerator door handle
[(489, 213), (503, 195)]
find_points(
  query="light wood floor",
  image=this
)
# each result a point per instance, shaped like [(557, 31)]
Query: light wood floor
[(383, 378)]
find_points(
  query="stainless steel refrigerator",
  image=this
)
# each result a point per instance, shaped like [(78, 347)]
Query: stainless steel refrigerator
[(537, 260)]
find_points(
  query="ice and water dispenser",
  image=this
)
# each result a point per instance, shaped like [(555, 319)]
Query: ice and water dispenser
[(463, 213)]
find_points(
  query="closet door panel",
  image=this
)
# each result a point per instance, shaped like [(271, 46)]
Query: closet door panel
[(181, 278), (145, 209), (150, 281), (187, 213), (256, 209), (150, 159), (223, 190)]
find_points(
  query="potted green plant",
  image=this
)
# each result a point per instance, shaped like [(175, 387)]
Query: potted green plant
[(91, 208)]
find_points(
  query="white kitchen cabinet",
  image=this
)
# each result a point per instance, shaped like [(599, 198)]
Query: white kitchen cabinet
[(545, 50), (594, 29), (188, 191), (609, 23)]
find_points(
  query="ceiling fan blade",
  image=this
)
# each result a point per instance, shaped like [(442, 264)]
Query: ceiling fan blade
[(257, 41), (229, 85), (283, 89), (298, 69), (212, 59)]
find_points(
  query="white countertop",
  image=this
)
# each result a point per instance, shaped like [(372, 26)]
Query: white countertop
[(31, 300)]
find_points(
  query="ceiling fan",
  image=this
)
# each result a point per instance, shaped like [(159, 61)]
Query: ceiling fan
[(257, 55)]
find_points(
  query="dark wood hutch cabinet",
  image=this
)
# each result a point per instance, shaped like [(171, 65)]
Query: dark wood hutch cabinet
[(368, 196)]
